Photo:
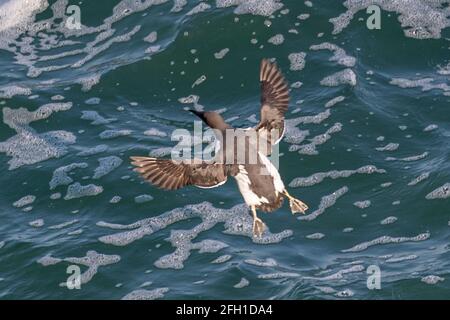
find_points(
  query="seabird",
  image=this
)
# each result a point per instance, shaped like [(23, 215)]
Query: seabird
[(259, 181)]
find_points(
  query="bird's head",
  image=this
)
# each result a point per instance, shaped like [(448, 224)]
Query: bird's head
[(212, 119)]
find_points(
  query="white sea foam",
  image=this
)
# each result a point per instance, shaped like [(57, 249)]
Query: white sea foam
[(345, 293), (278, 275), (315, 236), (389, 220), (334, 174), (294, 135), (339, 54), (222, 259), (143, 198), (419, 19), (303, 16), (310, 148), (93, 260), (75, 232), (76, 190), (142, 294), (95, 118), (325, 203), (63, 225), (334, 101), (192, 99), (28, 146), (160, 152), (408, 159), (430, 127), (432, 279), (155, 133), (178, 5), (199, 81), (425, 83), (106, 165), (61, 175), (24, 201), (115, 199), (340, 274), (242, 283), (346, 76), (88, 82), (151, 37), (443, 192), (93, 101), (276, 39), (296, 84), (269, 262), (402, 258), (201, 7), (93, 150), (297, 61), (56, 196), (362, 204), (389, 147), (255, 7), (9, 91), (37, 223), (420, 178), (237, 222), (111, 134), (221, 54), (387, 240)]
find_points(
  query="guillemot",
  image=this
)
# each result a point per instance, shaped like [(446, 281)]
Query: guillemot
[(258, 180)]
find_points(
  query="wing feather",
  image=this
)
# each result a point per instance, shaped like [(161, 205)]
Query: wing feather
[(171, 175), (274, 103)]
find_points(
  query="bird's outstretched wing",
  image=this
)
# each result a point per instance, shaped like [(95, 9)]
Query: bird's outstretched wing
[(274, 103), (171, 175)]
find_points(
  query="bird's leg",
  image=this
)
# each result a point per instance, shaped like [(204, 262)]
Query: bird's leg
[(258, 225), (295, 204)]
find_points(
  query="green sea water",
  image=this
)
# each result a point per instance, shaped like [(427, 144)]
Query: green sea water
[(373, 167)]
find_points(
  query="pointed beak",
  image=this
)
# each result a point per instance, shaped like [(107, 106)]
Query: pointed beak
[(197, 113)]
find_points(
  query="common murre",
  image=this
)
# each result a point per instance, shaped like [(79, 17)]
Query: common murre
[(258, 179)]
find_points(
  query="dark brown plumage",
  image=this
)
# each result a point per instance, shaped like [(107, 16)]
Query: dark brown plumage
[(259, 182)]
